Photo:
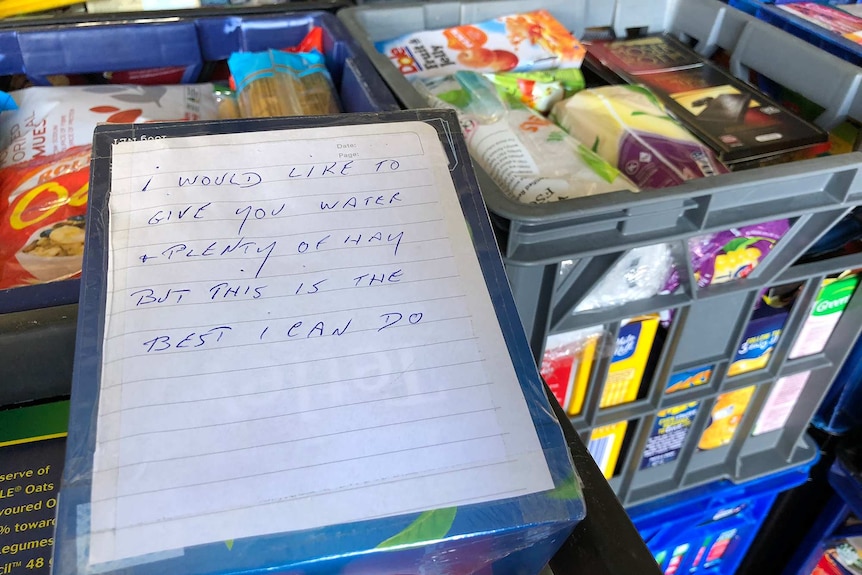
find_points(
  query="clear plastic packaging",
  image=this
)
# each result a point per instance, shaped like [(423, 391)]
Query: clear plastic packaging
[(279, 83), (531, 159), (640, 274)]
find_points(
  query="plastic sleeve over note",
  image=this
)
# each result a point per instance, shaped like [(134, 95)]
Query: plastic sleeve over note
[(300, 353)]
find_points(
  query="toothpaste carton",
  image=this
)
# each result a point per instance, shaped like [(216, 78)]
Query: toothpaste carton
[(519, 42), (833, 297)]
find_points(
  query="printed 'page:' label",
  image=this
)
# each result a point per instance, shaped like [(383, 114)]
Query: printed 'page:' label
[(298, 334)]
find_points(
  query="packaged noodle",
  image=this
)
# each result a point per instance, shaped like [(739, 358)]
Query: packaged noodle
[(278, 83), (542, 89), (530, 158), (519, 42), (628, 127), (51, 119)]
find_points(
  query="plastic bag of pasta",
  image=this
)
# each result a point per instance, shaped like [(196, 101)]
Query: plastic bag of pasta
[(278, 83)]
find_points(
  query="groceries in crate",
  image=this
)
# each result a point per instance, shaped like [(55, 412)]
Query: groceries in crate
[(568, 361), (44, 167), (742, 125), (725, 417), (630, 129), (280, 83), (518, 42), (529, 157)]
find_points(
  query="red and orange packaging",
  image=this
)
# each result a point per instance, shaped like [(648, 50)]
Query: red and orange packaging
[(519, 42), (43, 203), (45, 142)]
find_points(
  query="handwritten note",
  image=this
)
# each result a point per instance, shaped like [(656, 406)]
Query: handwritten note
[(298, 334)]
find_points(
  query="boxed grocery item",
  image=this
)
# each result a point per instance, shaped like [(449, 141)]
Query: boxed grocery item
[(689, 378), (725, 417), (566, 366), (629, 363), (668, 434), (743, 126), (833, 297), (605, 445), (518, 42), (32, 446), (357, 446), (759, 339), (630, 129)]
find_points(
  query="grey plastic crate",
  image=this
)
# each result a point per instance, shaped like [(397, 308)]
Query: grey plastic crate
[(594, 232)]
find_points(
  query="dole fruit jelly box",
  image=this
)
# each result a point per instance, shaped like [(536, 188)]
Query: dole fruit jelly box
[(742, 125), (519, 42)]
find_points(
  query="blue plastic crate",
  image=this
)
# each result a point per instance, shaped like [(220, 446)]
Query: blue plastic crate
[(709, 529), (846, 500), (825, 39), (841, 409), (191, 43)]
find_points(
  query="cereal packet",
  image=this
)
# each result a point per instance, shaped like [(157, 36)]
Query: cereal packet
[(51, 119)]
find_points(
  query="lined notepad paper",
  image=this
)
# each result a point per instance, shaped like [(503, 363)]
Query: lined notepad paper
[(298, 334)]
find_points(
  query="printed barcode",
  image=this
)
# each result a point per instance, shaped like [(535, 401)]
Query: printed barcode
[(600, 449)]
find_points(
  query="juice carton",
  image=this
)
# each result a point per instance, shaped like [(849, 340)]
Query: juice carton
[(725, 417), (668, 434), (519, 42), (629, 361), (741, 124), (605, 445), (833, 297)]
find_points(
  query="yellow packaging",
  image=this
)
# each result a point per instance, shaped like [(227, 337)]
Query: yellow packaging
[(566, 365), (605, 444), (582, 376), (631, 354), (725, 417)]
